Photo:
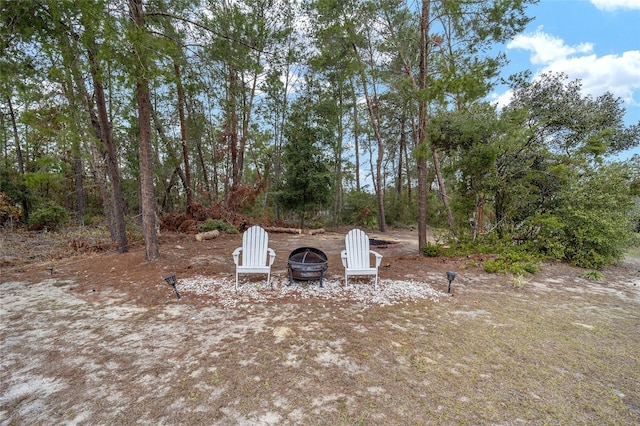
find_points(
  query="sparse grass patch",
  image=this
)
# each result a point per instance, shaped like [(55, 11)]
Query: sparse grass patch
[(593, 275), (518, 281)]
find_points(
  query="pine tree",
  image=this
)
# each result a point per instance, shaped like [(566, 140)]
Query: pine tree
[(306, 179)]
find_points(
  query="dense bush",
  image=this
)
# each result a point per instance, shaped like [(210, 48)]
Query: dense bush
[(360, 209), (515, 267), (217, 225), (595, 220), (399, 211), (432, 250), (48, 215)]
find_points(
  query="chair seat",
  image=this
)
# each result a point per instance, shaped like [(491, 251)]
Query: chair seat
[(253, 269), (361, 271)]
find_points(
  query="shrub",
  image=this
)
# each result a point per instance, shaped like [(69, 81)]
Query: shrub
[(217, 225), (598, 212), (593, 275), (493, 266), (513, 260), (531, 268), (48, 215), (432, 250), (8, 211), (360, 209)]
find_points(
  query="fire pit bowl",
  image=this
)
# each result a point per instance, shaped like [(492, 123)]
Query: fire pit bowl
[(306, 264), (379, 244)]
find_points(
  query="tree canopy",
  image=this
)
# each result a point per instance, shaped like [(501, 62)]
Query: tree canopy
[(358, 112)]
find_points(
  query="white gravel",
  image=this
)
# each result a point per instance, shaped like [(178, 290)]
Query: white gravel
[(389, 292)]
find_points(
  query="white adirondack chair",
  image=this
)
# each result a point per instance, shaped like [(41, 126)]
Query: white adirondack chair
[(255, 248), (356, 256)]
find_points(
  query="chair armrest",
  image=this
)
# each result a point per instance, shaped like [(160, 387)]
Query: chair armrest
[(378, 257), (236, 255), (272, 256), (343, 256)]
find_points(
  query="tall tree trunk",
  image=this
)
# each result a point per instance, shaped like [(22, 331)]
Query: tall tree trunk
[(443, 190), (148, 201), (70, 94), (98, 168), (337, 201), (479, 229), (103, 129), (405, 152), (183, 138), (375, 123), (16, 137), (171, 151), (422, 127), (79, 185), (356, 134), (247, 107), (232, 129), (401, 149), (197, 136), (77, 88), (149, 216), (101, 126)]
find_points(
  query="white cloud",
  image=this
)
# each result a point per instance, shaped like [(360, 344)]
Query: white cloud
[(546, 48), (501, 99), (611, 5), (615, 73), (618, 74)]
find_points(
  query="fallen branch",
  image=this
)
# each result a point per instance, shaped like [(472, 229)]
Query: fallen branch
[(316, 231), (209, 235), (276, 229)]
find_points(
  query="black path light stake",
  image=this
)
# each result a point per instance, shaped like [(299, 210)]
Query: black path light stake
[(450, 276), (171, 280)]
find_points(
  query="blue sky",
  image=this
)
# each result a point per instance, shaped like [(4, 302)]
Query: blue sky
[(596, 41)]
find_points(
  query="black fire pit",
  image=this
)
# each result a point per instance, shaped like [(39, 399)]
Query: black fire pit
[(307, 264)]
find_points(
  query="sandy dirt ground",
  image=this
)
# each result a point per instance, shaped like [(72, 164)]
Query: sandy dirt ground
[(101, 338)]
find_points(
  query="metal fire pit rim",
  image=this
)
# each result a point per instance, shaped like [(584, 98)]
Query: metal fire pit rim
[(311, 250)]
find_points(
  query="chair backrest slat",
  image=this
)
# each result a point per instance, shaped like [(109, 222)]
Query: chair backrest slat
[(357, 246), (255, 242)]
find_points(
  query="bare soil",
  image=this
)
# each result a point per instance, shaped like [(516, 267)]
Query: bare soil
[(89, 336)]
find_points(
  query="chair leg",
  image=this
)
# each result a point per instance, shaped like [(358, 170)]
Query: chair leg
[(375, 285), (236, 280), (345, 280), (269, 278)]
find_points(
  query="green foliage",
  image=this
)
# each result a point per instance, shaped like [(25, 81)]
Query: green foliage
[(399, 212), (466, 247), (48, 215), (307, 182), (509, 264), (360, 209), (217, 224), (46, 177), (432, 250), (593, 275), (598, 214), (539, 173), (515, 259), (543, 235)]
